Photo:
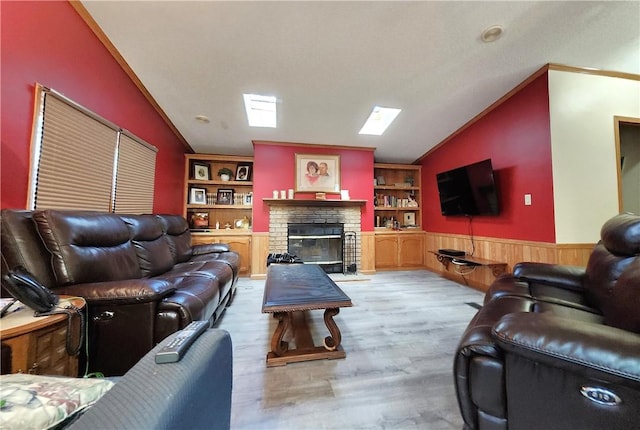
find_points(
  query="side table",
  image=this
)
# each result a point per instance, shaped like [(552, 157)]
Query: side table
[(38, 344)]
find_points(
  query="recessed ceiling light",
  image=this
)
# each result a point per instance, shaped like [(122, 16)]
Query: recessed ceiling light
[(203, 119), (492, 33), (379, 120), (261, 110)]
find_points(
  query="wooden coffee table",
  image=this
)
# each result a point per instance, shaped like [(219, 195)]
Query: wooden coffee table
[(291, 290)]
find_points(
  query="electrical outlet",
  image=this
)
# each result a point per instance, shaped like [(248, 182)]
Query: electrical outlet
[(527, 199)]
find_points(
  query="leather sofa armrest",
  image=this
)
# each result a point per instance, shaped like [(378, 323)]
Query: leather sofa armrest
[(589, 349), (209, 248), (127, 291), (567, 277)]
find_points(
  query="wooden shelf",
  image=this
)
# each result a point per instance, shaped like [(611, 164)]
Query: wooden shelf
[(497, 267)]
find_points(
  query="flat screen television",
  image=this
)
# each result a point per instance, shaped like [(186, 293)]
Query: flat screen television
[(468, 190)]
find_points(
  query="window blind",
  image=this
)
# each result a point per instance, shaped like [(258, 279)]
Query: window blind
[(77, 154), (135, 175), (81, 161)]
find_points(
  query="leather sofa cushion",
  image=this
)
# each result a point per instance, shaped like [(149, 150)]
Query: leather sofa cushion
[(76, 240), (150, 243), (196, 297), (177, 232)]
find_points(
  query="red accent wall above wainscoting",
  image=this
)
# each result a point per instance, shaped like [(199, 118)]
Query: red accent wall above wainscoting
[(49, 43), (516, 136), (274, 169)]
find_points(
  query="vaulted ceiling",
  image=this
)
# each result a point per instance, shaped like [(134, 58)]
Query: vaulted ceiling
[(329, 62)]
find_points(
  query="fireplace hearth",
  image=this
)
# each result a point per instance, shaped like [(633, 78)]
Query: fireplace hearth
[(321, 244), (282, 214)]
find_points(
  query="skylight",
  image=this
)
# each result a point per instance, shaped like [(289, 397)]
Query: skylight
[(261, 110), (379, 120)]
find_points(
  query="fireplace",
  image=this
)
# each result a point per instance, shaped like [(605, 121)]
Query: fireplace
[(320, 212), (321, 244)]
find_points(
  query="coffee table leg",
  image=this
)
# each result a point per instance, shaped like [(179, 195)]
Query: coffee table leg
[(278, 346), (332, 342)]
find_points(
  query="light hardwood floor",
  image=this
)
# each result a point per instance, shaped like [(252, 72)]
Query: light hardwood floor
[(399, 336)]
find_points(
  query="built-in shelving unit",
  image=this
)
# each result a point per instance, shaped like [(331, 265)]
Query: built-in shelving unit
[(397, 195), (219, 210)]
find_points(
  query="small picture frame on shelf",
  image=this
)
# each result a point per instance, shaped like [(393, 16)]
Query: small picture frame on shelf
[(409, 218), (243, 172), (198, 196), (201, 171), (248, 199), (380, 180), (225, 196)]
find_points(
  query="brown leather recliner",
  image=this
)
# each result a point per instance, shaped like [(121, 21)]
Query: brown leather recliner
[(558, 347)]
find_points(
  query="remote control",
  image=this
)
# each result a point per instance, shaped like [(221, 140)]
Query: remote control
[(174, 350)]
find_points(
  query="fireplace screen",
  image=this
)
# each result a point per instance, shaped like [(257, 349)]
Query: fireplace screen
[(318, 243)]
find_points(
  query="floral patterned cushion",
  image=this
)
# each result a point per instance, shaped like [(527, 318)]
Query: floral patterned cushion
[(42, 402)]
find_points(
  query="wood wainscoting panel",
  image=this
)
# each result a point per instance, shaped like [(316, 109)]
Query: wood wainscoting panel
[(368, 252), (259, 252), (508, 251)]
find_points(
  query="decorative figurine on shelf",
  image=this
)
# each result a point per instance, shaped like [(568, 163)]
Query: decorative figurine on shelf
[(225, 173), (412, 203)]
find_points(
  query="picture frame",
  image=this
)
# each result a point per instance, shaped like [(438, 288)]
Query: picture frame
[(244, 171), (317, 173), (409, 218), (197, 196), (248, 199), (225, 196), (201, 171)]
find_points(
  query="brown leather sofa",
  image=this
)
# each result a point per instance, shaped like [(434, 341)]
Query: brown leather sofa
[(140, 275), (557, 347)]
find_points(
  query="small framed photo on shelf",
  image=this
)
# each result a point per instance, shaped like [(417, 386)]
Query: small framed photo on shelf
[(380, 180), (225, 196), (201, 171), (243, 172), (198, 196), (248, 198)]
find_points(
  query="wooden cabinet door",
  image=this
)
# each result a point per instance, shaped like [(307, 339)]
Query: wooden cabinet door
[(43, 352), (386, 252), (241, 245), (411, 250)]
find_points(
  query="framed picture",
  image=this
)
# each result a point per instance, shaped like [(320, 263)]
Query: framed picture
[(317, 173), (198, 196), (225, 196), (201, 171), (248, 198), (243, 172)]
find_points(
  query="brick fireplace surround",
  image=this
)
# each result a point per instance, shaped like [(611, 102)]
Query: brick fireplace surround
[(281, 215)]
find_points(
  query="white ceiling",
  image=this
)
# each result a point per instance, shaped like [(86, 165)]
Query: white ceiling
[(330, 62)]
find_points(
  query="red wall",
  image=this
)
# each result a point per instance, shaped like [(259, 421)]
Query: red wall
[(49, 43), (516, 136), (274, 169)]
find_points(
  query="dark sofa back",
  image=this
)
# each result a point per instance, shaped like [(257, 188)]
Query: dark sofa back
[(151, 245), (21, 246), (612, 283), (76, 240), (177, 230)]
